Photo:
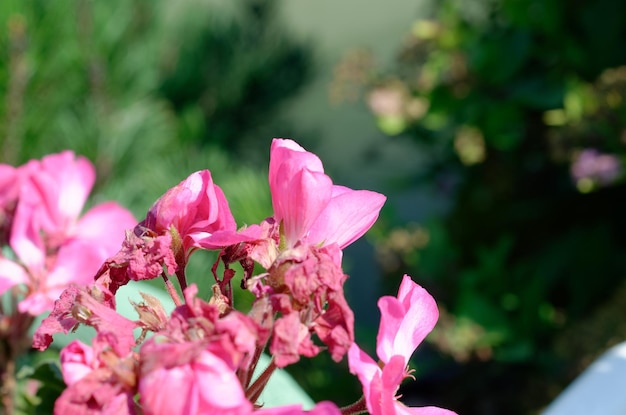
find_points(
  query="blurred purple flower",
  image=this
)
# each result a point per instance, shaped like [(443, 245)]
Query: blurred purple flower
[(603, 169)]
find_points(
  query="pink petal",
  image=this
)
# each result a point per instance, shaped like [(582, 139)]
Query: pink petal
[(26, 241), (364, 367), (405, 321), (221, 239), (75, 178), (325, 408), (77, 262), (400, 409), (108, 322), (105, 225), (77, 360), (348, 215), (283, 151), (11, 274), (205, 384), (213, 215), (38, 302), (213, 201), (393, 373), (156, 402), (301, 203), (225, 391), (96, 393), (180, 205), (300, 189)]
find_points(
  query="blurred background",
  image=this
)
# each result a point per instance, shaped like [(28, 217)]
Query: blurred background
[(497, 128)]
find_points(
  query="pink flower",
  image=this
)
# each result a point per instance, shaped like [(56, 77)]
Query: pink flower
[(196, 208), (98, 393), (310, 207), (77, 360), (405, 322), (57, 189), (52, 245), (99, 379), (193, 214), (200, 381)]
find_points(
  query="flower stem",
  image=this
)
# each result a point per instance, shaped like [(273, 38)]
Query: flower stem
[(359, 407), (257, 387), (7, 390), (246, 376), (182, 278), (171, 290), (14, 342)]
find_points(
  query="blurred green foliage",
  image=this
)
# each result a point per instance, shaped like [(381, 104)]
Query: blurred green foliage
[(250, 67), (521, 106), (149, 91)]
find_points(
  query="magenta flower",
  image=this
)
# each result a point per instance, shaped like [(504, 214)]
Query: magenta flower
[(405, 322), (53, 246), (307, 204)]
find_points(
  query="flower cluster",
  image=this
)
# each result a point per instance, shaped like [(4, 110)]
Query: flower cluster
[(207, 350)]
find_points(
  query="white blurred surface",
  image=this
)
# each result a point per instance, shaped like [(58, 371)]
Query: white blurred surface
[(599, 390)]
